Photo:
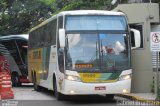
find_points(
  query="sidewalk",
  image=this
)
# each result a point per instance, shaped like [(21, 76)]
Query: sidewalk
[(142, 97)]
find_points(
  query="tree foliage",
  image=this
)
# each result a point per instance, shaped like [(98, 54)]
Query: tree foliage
[(19, 16)]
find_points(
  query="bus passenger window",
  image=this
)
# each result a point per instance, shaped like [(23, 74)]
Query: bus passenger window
[(12, 48), (22, 45)]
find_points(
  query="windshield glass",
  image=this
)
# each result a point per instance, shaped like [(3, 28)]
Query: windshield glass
[(98, 22), (97, 52), (97, 43)]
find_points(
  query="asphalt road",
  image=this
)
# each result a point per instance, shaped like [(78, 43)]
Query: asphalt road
[(26, 96)]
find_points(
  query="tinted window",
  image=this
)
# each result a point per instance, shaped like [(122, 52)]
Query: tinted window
[(44, 36), (12, 48), (22, 45), (96, 23)]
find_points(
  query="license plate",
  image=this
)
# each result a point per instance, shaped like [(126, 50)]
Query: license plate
[(100, 88)]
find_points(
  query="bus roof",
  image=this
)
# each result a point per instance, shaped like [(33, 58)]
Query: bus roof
[(90, 12), (21, 36), (78, 12)]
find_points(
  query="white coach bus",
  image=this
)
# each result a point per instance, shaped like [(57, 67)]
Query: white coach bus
[(82, 52)]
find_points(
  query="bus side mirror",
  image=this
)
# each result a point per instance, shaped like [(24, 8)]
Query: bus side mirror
[(135, 38), (62, 37)]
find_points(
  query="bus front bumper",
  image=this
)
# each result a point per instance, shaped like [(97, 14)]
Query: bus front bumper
[(80, 88)]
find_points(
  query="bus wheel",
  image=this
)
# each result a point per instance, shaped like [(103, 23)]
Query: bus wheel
[(36, 87), (15, 80), (110, 96), (57, 94)]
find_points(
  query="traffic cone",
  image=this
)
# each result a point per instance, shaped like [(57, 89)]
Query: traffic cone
[(6, 91), (0, 84), (5, 79)]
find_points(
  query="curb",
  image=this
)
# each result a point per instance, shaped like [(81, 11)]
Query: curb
[(137, 98)]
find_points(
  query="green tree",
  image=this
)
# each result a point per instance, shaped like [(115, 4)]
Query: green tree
[(88, 4), (18, 16)]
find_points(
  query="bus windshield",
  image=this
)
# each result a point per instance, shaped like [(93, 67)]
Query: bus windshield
[(91, 49), (95, 23), (105, 52)]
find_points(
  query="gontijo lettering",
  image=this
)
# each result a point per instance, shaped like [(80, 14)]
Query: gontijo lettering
[(37, 54)]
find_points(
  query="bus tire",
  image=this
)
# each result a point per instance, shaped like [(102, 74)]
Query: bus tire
[(15, 80), (110, 96), (35, 86), (57, 94)]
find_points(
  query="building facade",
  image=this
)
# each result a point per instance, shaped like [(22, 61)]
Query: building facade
[(141, 16)]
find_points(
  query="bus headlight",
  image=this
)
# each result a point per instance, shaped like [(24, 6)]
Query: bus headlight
[(72, 78), (125, 77)]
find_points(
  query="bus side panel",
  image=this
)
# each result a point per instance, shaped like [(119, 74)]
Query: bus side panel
[(35, 63), (44, 62), (49, 65)]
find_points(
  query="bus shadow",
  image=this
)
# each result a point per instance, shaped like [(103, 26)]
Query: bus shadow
[(88, 99), (80, 99), (73, 99)]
